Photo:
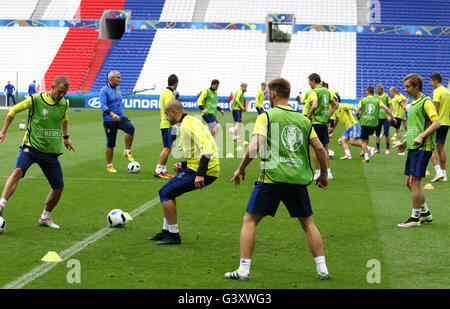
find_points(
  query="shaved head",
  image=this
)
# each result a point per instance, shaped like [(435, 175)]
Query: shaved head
[(174, 105)]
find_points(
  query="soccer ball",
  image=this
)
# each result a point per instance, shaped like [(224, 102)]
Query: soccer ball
[(22, 126), (330, 153), (116, 218), (2, 225), (134, 167)]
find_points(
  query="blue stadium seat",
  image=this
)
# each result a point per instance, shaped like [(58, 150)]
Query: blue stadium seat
[(125, 57), (387, 58)]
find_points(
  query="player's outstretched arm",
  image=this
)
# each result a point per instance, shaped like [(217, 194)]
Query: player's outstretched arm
[(6, 125)]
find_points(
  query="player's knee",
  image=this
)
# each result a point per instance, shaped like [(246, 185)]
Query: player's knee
[(17, 174)]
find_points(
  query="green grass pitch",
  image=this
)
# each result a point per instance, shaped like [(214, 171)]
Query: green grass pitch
[(357, 217)]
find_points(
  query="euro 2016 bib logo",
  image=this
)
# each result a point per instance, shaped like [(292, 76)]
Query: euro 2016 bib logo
[(370, 108), (44, 113), (292, 138)]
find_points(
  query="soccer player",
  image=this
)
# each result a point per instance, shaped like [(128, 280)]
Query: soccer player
[(441, 98), (9, 90), (423, 121), (399, 105), (369, 109), (32, 88), (208, 104), (42, 143), (166, 128), (382, 121), (285, 175), (114, 119), (237, 109), (319, 113), (306, 103), (352, 128), (200, 169), (330, 120), (260, 99)]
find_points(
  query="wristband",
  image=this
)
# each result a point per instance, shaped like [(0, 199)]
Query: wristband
[(66, 136)]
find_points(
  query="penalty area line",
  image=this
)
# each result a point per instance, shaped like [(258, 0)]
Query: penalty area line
[(77, 247)]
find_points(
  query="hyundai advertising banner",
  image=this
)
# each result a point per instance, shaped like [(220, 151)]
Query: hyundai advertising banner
[(189, 102)]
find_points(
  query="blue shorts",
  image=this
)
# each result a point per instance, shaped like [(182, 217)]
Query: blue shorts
[(441, 134), (353, 132), (237, 115), (167, 137), (405, 116), (211, 120), (386, 125), (48, 163), (266, 198), (111, 128), (322, 133), (416, 162), (183, 182), (367, 131)]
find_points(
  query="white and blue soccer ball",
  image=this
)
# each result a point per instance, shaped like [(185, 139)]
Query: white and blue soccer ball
[(116, 218), (134, 167), (22, 126), (2, 225), (330, 153)]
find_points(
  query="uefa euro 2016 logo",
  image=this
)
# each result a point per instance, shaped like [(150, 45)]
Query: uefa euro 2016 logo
[(292, 138), (370, 108)]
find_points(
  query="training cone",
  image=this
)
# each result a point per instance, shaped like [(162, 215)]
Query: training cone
[(230, 155), (428, 186), (239, 148), (51, 256), (427, 173), (245, 143), (127, 215)]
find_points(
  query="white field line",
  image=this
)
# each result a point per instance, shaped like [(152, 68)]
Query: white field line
[(68, 253), (95, 179)]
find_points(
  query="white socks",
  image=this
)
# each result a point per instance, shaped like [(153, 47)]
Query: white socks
[(45, 214), (366, 156), (438, 169), (321, 265), (165, 224), (160, 169), (415, 213), (173, 228), (424, 207), (348, 153), (2, 203), (244, 266), (127, 150)]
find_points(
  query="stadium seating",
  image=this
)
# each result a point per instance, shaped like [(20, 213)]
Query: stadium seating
[(398, 56), (144, 10), (128, 57), (17, 9), (341, 12), (178, 10), (199, 56), (100, 52), (61, 10), (73, 57), (330, 54), (415, 12), (93, 9), (27, 53)]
